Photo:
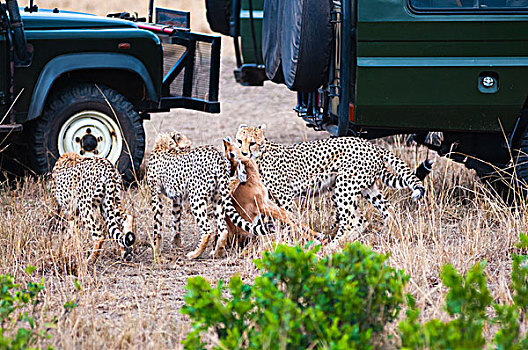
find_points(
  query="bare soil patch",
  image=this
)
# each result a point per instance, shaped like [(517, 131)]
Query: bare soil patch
[(136, 305)]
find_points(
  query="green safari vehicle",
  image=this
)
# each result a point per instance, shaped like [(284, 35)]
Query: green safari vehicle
[(74, 82), (453, 74)]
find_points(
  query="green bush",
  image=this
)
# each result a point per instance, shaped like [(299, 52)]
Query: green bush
[(341, 301), (20, 326), (468, 302)]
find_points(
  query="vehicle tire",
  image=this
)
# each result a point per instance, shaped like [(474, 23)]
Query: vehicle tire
[(218, 15), (92, 121), (306, 43), (511, 181), (521, 165), (271, 45)]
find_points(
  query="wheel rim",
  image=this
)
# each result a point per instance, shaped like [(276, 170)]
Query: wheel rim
[(91, 133)]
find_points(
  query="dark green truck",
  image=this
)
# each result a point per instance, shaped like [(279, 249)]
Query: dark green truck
[(451, 73), (83, 83)]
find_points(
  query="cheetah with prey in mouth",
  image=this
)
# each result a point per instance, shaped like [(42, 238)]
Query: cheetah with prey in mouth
[(199, 175), (346, 166)]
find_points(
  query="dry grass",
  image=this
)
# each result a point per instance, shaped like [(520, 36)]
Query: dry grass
[(136, 305)]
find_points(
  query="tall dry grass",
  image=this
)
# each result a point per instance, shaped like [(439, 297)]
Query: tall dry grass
[(135, 305)]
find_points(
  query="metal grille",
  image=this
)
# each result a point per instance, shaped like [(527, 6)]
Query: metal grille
[(200, 72)]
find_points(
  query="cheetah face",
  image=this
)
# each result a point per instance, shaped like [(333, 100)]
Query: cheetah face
[(232, 153), (250, 139), (129, 229), (182, 143)]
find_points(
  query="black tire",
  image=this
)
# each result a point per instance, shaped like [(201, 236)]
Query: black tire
[(306, 43), (510, 181), (271, 45), (218, 15), (521, 166), (75, 101)]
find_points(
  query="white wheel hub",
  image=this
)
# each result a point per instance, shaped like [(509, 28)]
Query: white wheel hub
[(91, 133)]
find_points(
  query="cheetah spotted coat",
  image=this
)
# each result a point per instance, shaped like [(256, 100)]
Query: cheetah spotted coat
[(198, 175), (89, 185), (346, 166)]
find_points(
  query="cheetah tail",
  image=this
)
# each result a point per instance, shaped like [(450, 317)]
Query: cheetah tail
[(239, 221), (404, 176)]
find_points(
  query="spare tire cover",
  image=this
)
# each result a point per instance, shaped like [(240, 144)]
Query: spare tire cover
[(218, 15), (271, 47), (306, 43)]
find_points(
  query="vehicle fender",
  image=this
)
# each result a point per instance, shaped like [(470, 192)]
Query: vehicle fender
[(77, 61)]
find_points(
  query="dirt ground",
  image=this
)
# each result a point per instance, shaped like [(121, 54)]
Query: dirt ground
[(145, 294), (271, 105), (136, 305)]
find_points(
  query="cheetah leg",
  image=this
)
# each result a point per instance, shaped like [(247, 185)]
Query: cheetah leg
[(96, 251), (176, 224), (199, 210), (115, 221), (346, 201), (89, 221), (221, 227), (374, 196), (97, 235), (156, 236)]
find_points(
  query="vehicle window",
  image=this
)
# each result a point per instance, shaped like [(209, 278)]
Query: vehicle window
[(469, 4)]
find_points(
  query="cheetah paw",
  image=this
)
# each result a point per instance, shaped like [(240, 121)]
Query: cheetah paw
[(193, 255), (418, 193)]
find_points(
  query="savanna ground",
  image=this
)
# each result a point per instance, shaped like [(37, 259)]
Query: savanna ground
[(136, 305)]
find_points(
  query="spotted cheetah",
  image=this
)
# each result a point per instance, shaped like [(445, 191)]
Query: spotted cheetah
[(198, 175), (346, 166), (87, 185), (251, 198)]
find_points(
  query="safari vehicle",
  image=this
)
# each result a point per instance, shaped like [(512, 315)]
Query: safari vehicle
[(82, 83), (452, 73)]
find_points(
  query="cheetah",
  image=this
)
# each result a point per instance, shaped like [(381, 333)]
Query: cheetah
[(198, 175), (346, 166), (251, 199), (87, 185)]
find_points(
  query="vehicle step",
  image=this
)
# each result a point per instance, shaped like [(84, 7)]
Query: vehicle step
[(9, 128)]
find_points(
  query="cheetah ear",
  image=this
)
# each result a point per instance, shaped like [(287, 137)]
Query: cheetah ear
[(262, 127), (227, 142), (228, 139), (242, 126)]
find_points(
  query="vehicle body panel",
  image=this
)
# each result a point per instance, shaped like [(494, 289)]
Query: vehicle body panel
[(49, 44), (85, 61), (47, 19), (421, 70), (247, 44)]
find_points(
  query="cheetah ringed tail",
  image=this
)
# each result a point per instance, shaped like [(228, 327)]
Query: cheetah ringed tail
[(232, 214), (404, 177)]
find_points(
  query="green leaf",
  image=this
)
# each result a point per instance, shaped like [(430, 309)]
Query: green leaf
[(77, 285), (30, 269)]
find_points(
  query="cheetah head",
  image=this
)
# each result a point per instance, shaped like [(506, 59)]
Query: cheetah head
[(129, 238), (232, 153), (251, 139), (182, 143), (172, 142)]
